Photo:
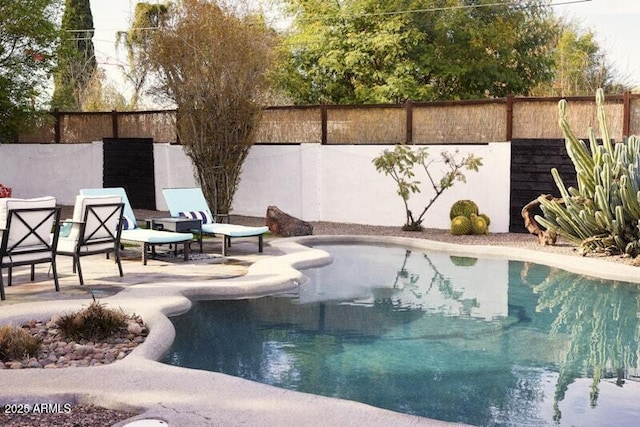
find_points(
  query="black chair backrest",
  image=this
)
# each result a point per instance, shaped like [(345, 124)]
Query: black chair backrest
[(101, 224), (29, 231)]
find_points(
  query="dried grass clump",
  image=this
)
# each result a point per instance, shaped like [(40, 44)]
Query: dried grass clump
[(93, 323), (17, 343)]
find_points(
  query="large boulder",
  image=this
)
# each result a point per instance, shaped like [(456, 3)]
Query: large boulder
[(286, 225)]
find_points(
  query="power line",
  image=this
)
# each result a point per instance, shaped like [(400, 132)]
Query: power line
[(446, 8), (398, 12)]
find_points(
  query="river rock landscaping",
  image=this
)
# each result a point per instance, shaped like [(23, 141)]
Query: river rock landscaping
[(56, 352)]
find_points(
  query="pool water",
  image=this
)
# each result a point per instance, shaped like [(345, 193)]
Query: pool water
[(479, 341)]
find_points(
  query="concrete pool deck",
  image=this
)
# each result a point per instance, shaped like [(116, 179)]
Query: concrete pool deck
[(191, 397)]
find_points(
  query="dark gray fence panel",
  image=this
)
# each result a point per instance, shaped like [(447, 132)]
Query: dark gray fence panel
[(128, 163)]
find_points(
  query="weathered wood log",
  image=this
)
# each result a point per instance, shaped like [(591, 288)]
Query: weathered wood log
[(286, 225), (545, 237)]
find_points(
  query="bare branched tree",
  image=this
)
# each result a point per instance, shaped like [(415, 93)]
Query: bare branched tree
[(211, 62)]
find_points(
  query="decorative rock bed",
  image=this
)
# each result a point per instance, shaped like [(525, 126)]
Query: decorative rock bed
[(58, 353)]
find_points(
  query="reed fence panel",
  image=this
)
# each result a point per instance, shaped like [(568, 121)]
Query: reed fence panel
[(366, 125), (44, 133), (634, 117), (538, 119), (78, 129), (455, 123), (158, 125), (290, 126)]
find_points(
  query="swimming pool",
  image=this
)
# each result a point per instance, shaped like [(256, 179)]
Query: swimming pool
[(474, 340)]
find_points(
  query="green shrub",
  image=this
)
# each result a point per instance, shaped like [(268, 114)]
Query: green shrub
[(17, 343), (93, 323)]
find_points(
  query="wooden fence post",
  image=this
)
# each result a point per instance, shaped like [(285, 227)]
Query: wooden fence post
[(626, 114), (509, 131), (114, 123), (57, 129), (323, 123), (408, 108)]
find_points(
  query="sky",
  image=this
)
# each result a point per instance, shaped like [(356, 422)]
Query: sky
[(614, 23)]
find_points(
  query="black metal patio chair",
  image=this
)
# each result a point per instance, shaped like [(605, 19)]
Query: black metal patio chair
[(95, 229), (27, 238)]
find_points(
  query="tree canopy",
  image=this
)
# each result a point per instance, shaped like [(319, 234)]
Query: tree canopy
[(76, 57), (211, 61), (28, 40), (366, 51), (580, 65)]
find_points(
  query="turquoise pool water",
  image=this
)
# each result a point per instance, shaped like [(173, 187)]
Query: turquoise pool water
[(479, 341)]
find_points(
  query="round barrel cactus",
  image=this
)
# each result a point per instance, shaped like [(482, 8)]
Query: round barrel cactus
[(460, 225), (463, 207), (486, 218), (478, 225)]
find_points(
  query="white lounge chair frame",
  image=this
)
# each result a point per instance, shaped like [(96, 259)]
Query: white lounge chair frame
[(181, 201)]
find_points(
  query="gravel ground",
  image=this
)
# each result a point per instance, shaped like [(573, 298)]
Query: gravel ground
[(88, 415), (67, 416)]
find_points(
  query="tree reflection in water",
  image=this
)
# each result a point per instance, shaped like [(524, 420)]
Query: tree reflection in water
[(601, 319), (407, 281)]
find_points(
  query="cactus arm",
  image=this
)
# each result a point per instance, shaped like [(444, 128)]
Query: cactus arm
[(602, 120), (558, 180), (628, 200)]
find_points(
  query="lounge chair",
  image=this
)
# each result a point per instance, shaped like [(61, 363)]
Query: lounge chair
[(190, 202), (94, 229), (25, 235), (131, 232)]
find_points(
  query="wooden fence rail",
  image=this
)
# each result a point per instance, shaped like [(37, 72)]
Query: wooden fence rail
[(447, 122)]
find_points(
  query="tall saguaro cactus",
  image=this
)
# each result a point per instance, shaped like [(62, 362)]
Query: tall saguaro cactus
[(603, 213)]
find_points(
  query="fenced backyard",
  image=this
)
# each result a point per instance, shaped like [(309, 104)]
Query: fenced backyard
[(315, 161)]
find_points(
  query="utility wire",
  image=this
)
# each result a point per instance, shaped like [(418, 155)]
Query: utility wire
[(446, 8), (399, 12)]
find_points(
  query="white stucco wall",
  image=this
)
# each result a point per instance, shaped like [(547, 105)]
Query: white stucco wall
[(173, 169), (58, 170), (340, 183), (310, 181)]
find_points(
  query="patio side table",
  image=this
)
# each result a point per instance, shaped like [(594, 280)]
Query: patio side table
[(178, 225)]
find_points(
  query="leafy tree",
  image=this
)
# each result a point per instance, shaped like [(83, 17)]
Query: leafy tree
[(399, 164), (76, 58), (580, 66), (366, 51), (28, 39), (146, 18), (211, 60), (100, 95)]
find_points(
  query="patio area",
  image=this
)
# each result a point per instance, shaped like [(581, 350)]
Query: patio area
[(180, 396)]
